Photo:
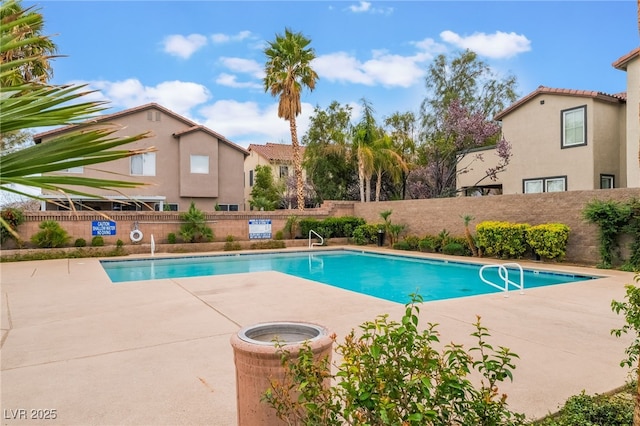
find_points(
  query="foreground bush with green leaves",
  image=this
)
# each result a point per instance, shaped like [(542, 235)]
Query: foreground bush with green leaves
[(392, 373), (593, 410)]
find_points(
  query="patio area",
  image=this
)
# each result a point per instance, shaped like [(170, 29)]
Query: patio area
[(158, 352)]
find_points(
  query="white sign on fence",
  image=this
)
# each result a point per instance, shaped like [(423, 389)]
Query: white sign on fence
[(259, 228)]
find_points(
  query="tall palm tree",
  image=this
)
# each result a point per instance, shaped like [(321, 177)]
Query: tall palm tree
[(364, 135), (287, 71), (28, 105)]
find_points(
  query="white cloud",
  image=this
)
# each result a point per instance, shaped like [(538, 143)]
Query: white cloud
[(247, 122), (220, 38), (365, 7), (497, 45), (183, 47), (247, 66), (178, 96), (230, 80), (387, 69)]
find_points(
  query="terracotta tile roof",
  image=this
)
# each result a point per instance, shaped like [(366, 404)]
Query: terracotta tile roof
[(542, 90), (276, 152), (622, 62), (109, 117)]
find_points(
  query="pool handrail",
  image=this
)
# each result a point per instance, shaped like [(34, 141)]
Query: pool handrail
[(311, 231), (503, 273)]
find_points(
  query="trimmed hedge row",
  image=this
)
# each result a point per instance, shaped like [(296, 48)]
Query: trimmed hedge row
[(513, 240)]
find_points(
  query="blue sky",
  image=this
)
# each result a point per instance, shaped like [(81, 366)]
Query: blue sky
[(204, 59)]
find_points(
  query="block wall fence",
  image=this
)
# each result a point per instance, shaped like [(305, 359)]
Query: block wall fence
[(421, 217)]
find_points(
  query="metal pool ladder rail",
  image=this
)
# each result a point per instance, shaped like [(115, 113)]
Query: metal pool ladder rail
[(311, 231), (503, 273)]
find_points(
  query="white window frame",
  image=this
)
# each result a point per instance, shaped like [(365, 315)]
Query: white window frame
[(608, 178), (528, 182), (544, 184), (286, 171), (147, 165), (549, 182), (568, 119), (229, 207), (199, 164)]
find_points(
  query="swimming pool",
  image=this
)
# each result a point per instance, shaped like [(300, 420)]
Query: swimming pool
[(390, 277)]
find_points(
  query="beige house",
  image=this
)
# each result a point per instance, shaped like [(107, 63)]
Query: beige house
[(565, 140), (192, 163), (278, 156)]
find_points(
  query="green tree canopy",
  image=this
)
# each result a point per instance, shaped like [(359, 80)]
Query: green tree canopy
[(265, 194)]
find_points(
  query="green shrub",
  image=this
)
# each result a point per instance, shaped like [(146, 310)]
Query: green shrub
[(614, 219), (269, 244), (402, 245), (336, 227), (365, 234), (279, 235), (548, 240), (80, 242), (455, 249), (428, 244), (229, 239), (232, 246), (397, 373), (413, 241), (97, 241), (119, 243), (502, 239), (195, 228), (13, 218), (171, 238), (594, 410), (51, 235)]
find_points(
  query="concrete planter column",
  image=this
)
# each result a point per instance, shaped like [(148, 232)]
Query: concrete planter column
[(257, 362)]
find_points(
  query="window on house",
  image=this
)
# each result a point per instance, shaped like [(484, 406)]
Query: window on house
[(153, 115), (200, 164), (166, 207), (227, 207), (550, 184), (144, 164), (555, 184), (250, 177), (606, 182), (574, 127), (533, 186), (284, 171)]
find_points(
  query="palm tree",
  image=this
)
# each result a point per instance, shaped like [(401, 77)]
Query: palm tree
[(287, 71), (29, 104), (387, 160), (364, 135), (31, 51)]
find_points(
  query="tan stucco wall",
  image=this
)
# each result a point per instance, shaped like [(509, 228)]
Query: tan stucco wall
[(633, 123), (534, 131), (196, 185), (254, 159)]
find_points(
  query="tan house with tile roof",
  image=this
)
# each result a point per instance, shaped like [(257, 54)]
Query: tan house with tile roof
[(192, 163), (565, 140), (278, 156)]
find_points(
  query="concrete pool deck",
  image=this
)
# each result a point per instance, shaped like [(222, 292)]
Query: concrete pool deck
[(159, 353)]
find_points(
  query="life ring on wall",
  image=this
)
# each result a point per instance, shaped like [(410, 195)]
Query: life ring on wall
[(136, 235)]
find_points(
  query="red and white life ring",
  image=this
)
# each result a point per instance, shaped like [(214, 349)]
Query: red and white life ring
[(136, 235)]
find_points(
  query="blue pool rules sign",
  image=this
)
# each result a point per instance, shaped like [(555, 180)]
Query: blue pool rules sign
[(259, 229), (103, 227)]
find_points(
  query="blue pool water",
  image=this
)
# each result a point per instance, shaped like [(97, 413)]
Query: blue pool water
[(388, 277)]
